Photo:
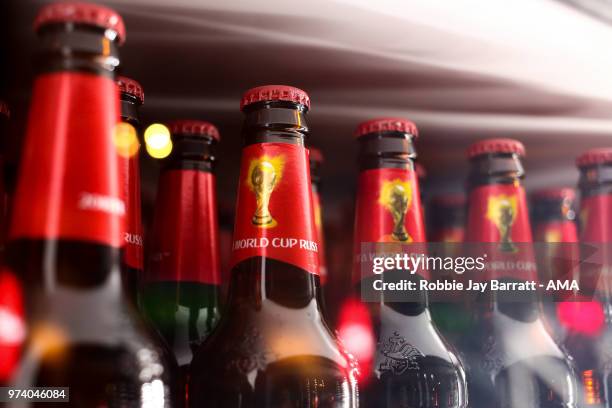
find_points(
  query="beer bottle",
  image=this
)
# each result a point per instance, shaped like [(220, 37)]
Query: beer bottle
[(447, 215), (12, 324), (181, 289), (447, 218), (5, 114), (131, 98), (413, 367), (588, 319), (68, 219), (272, 347), (316, 160), (554, 215), (554, 229), (512, 360)]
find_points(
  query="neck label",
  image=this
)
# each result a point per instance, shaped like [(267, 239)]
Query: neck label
[(388, 210), (69, 184), (274, 216), (498, 214), (185, 243)]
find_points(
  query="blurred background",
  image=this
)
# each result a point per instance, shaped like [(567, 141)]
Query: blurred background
[(536, 70)]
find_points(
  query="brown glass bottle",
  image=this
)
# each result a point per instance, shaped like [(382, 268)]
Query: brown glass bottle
[(131, 98), (12, 324), (412, 365), (180, 293), (316, 161), (554, 229), (272, 347), (588, 320), (512, 360), (68, 219), (447, 215)]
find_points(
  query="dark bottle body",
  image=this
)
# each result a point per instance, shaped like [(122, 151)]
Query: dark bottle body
[(413, 366), (181, 287), (12, 324), (447, 214), (555, 231), (272, 347), (512, 360), (66, 230), (589, 328), (129, 173)]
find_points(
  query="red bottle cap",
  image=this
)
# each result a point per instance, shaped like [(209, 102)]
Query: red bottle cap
[(131, 87), (450, 200), (81, 13), (275, 93), (386, 125), (601, 155), (560, 193), (4, 109), (194, 127), (488, 146), (316, 155)]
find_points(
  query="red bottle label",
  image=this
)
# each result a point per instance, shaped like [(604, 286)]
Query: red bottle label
[(274, 216), (596, 228), (388, 210), (68, 184), (556, 231), (318, 218), (596, 218), (185, 241), (130, 191), (498, 214)]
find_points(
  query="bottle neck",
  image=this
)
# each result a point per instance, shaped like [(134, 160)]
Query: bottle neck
[(388, 207), (68, 202), (595, 219), (497, 203), (498, 218), (448, 222), (191, 152), (130, 107), (275, 249), (185, 237), (129, 169), (552, 210), (77, 47)]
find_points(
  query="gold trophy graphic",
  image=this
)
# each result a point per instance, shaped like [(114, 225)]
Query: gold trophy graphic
[(396, 197), (263, 176), (501, 211)]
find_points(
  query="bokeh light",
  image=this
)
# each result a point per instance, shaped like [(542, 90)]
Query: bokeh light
[(157, 141), (126, 140)]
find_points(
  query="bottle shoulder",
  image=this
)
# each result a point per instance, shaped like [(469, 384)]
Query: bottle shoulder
[(270, 334)]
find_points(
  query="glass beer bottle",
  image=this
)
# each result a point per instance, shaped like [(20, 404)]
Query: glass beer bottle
[(65, 235), (131, 98), (316, 160), (181, 287), (447, 215), (512, 360), (588, 319), (12, 324), (555, 231), (272, 347), (412, 365)]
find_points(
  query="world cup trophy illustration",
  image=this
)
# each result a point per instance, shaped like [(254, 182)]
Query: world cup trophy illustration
[(502, 211), (264, 175), (396, 197)]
